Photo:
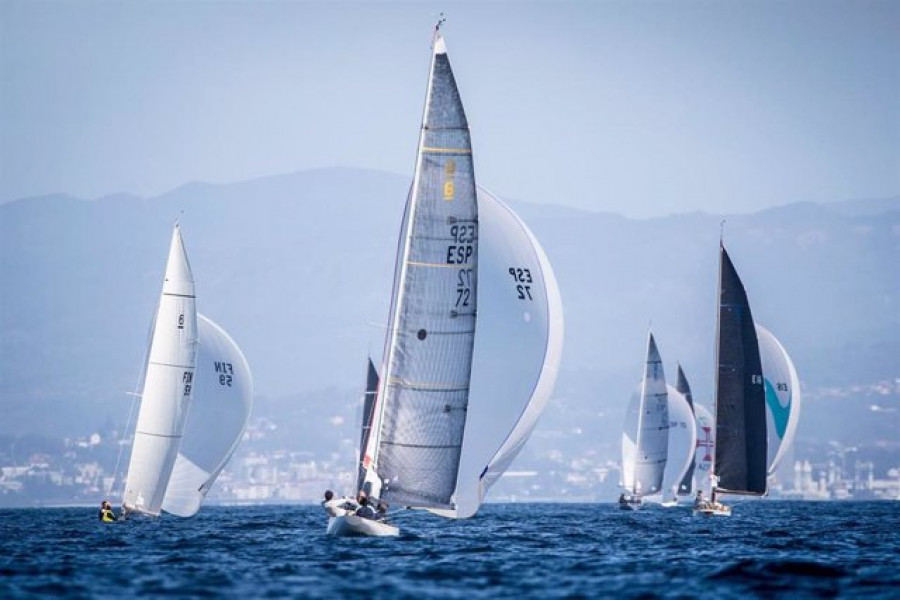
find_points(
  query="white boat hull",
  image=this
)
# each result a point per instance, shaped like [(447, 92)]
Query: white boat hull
[(713, 510), (351, 525)]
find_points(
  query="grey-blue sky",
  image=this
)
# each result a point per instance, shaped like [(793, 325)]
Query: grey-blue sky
[(643, 108)]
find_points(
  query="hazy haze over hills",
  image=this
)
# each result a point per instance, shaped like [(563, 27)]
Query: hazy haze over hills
[(297, 268)]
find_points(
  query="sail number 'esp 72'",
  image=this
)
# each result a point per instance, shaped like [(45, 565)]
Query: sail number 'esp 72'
[(522, 277)]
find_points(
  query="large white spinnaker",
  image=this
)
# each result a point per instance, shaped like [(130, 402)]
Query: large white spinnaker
[(220, 408), (517, 350), (645, 435), (782, 396), (168, 382), (682, 442)]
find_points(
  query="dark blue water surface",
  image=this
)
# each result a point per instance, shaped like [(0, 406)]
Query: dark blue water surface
[(766, 549)]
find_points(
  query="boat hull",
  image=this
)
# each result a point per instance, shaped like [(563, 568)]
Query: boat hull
[(353, 526), (713, 510)]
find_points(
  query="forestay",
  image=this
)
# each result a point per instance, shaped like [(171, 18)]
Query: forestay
[(167, 387), (220, 408), (424, 390), (782, 396)]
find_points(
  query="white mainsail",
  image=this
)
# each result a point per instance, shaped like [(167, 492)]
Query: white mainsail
[(517, 350), (455, 405), (220, 408), (782, 396), (413, 458), (168, 383), (682, 442), (645, 435)]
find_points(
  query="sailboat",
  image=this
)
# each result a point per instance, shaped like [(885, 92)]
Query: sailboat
[(783, 399), (194, 367), (679, 472), (645, 436), (739, 458), (454, 403)]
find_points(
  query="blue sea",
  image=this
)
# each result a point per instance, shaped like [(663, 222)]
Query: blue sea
[(766, 549)]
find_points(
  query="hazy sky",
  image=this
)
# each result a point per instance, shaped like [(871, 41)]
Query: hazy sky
[(642, 108)]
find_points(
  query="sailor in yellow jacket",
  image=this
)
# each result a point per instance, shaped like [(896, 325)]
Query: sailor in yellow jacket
[(106, 513)]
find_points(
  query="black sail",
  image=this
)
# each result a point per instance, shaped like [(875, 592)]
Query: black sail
[(740, 457), (367, 415), (683, 388)]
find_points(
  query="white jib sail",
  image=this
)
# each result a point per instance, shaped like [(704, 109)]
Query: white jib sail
[(518, 346), (706, 444), (682, 442), (782, 396), (220, 408), (168, 382), (645, 448)]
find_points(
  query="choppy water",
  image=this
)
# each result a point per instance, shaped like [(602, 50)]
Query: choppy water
[(541, 550)]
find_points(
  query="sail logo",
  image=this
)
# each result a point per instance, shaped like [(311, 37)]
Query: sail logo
[(706, 443), (522, 277), (460, 252), (226, 373), (449, 188), (187, 379), (780, 413)]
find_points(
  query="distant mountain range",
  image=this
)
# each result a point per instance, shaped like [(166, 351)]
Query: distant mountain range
[(298, 267)]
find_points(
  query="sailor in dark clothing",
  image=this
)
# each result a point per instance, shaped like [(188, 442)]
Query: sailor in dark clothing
[(381, 511), (365, 511)]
